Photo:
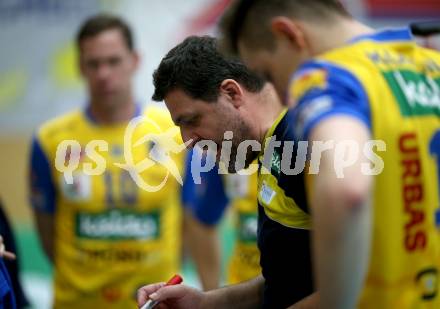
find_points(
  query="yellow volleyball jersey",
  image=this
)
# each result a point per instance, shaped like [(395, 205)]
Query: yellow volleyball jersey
[(112, 233), (281, 195), (244, 263), (393, 86)]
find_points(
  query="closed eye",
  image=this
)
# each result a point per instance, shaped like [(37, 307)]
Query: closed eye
[(188, 121)]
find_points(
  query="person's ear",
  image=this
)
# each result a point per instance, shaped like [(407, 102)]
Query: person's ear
[(290, 31), (232, 90)]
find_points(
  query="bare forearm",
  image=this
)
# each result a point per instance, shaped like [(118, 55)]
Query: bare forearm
[(45, 228), (341, 213), (48, 247), (247, 295), (341, 247), (203, 244)]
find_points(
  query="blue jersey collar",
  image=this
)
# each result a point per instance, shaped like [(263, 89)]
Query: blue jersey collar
[(388, 35), (89, 116)]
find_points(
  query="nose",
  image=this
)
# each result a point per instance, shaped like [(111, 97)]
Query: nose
[(103, 71)]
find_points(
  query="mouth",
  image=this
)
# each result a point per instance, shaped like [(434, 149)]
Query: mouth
[(107, 91)]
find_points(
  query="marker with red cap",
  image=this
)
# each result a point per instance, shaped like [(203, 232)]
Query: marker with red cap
[(176, 279)]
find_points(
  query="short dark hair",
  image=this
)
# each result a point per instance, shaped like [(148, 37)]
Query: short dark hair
[(198, 68), (103, 22), (248, 19)]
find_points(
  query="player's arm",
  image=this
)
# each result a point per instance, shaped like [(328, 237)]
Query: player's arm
[(247, 295), (341, 217), (203, 244), (333, 110), (240, 296), (204, 205), (45, 227), (42, 197)]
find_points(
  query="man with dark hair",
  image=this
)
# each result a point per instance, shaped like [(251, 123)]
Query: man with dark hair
[(209, 95), (94, 26), (104, 234), (376, 239), (197, 69), (200, 76)]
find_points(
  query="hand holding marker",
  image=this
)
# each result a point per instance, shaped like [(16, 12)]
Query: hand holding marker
[(176, 279)]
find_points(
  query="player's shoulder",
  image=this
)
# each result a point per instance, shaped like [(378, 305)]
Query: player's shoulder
[(321, 88), (351, 61), (322, 74), (351, 53), (337, 62), (432, 56), (59, 124)]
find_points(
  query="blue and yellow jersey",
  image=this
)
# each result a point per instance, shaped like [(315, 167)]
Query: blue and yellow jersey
[(284, 221), (113, 234), (208, 201), (392, 86)]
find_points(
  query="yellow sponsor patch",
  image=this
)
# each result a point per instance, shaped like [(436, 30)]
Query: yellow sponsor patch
[(307, 81)]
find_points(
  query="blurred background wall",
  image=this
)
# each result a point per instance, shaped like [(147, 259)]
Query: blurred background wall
[(39, 79)]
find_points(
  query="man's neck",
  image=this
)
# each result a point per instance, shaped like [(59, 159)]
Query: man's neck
[(337, 34), (270, 110), (119, 113)]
